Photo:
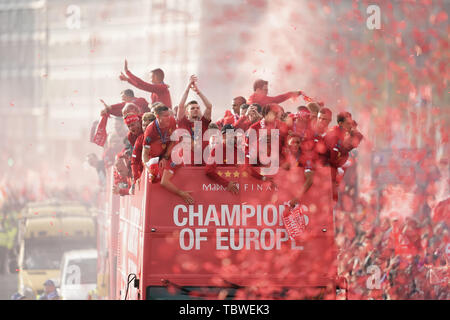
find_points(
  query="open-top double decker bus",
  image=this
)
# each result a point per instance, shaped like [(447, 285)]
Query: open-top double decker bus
[(225, 246)]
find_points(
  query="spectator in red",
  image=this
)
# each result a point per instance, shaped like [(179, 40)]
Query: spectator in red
[(158, 89), (157, 142), (260, 91), (233, 115), (190, 113), (127, 97), (136, 158)]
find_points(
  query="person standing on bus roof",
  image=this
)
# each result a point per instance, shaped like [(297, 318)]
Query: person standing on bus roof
[(136, 158), (127, 97), (157, 137), (260, 91), (158, 89), (188, 114)]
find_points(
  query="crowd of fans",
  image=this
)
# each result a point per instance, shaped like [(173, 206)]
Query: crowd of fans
[(304, 138), (410, 255)]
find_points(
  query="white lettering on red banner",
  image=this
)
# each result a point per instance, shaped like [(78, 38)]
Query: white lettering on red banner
[(238, 226)]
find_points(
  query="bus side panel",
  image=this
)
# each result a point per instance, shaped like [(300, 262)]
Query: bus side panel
[(108, 224)]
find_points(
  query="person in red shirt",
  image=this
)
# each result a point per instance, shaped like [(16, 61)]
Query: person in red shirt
[(157, 143), (301, 126), (127, 97), (158, 89), (313, 108), (136, 157), (271, 121), (248, 117), (334, 139), (189, 113), (229, 142), (353, 138), (260, 91), (292, 157), (323, 120), (233, 115)]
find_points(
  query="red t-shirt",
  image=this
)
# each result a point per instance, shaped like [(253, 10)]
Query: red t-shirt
[(159, 92), (141, 103), (185, 123), (321, 150), (158, 141)]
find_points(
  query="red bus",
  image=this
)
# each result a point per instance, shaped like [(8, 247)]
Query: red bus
[(107, 241), (224, 246)]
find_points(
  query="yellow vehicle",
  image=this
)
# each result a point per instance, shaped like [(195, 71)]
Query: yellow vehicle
[(46, 231)]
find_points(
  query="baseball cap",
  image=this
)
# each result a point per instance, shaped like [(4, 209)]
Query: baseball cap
[(49, 283)]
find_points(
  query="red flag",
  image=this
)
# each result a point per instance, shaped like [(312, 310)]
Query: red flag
[(294, 221), (100, 134)]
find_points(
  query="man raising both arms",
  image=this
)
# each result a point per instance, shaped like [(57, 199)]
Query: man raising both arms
[(159, 90), (188, 114)]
